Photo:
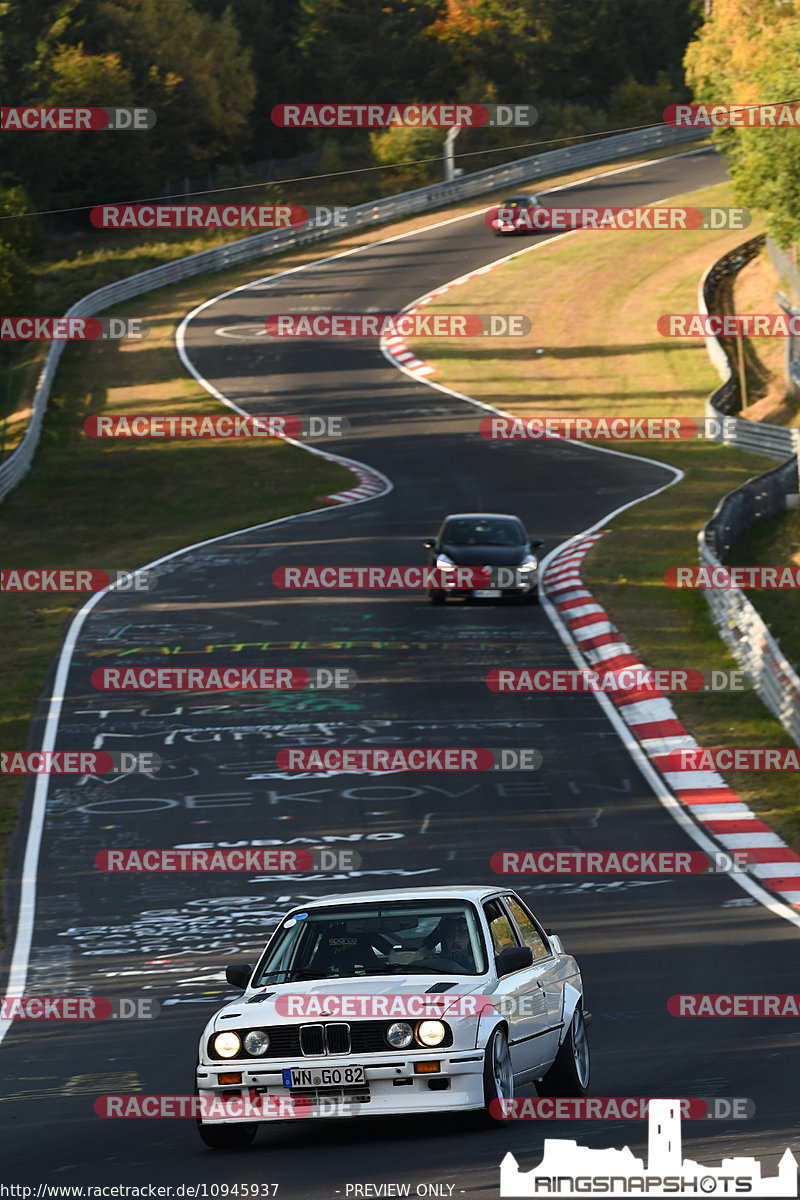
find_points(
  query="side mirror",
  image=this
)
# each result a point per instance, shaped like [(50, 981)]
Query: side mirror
[(514, 958), (238, 975), (536, 542), (429, 543)]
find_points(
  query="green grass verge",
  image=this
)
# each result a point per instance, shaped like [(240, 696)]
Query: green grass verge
[(110, 504), (594, 298)]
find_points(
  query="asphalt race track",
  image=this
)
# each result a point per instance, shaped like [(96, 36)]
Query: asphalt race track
[(421, 671)]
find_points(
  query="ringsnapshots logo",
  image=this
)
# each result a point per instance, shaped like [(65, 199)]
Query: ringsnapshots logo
[(78, 1008), (216, 216), (183, 861), (619, 862), (225, 426), (405, 325), (605, 429), (429, 758), (55, 579), (26, 119), (72, 329), (398, 115), (540, 219), (223, 679), (735, 116), (79, 762), (624, 679), (569, 1170)]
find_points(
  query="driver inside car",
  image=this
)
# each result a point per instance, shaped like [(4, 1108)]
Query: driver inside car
[(455, 942)]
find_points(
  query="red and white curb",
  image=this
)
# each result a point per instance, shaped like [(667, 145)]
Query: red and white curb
[(396, 349), (370, 484), (652, 720)]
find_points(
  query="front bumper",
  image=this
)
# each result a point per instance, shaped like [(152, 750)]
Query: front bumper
[(525, 587), (391, 1087)]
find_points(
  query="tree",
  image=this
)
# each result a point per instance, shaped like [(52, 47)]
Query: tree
[(159, 54), (747, 52)]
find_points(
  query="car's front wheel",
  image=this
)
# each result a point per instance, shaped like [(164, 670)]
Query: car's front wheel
[(437, 597), (569, 1074), (498, 1076)]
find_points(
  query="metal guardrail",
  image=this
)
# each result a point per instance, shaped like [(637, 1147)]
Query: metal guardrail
[(741, 627), (245, 249), (775, 680)]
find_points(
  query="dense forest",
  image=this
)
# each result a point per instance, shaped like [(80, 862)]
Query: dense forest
[(213, 69)]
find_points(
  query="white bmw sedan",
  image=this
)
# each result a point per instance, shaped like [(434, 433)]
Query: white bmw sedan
[(420, 1000)]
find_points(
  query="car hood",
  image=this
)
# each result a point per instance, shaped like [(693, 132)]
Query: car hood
[(485, 556), (258, 1007)]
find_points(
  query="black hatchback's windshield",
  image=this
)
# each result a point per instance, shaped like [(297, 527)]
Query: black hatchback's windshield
[(422, 937), (483, 531)]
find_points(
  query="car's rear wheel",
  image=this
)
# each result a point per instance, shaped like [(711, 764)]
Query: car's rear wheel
[(569, 1074), (498, 1076)]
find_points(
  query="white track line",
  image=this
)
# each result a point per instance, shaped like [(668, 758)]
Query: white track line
[(20, 958)]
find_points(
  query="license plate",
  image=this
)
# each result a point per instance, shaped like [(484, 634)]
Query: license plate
[(322, 1076), (487, 593)]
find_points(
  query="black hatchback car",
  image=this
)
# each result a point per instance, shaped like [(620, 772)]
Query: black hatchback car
[(496, 541)]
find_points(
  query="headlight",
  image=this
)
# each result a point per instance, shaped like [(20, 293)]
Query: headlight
[(529, 563), (400, 1035), (443, 563), (430, 1033), (256, 1042), (227, 1045)]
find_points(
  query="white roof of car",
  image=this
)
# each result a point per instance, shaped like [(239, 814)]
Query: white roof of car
[(473, 894)]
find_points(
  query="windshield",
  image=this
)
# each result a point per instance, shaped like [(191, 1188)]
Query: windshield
[(519, 202), (483, 531), (423, 937)]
